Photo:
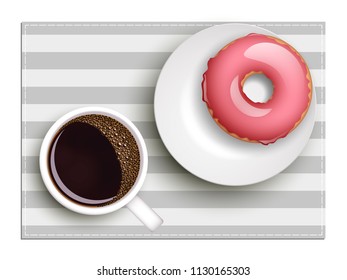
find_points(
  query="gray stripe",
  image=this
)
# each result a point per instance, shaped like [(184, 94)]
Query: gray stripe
[(204, 199), (320, 95), (167, 164), (293, 28), (101, 28), (104, 60), (314, 60), (234, 199), (103, 95), (120, 60), (88, 95), (174, 232), (318, 131), (37, 130), (314, 164)]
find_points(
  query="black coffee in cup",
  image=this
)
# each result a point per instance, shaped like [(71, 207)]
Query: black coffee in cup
[(94, 160)]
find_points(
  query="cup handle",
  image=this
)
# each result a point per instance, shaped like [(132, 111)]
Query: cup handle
[(144, 213)]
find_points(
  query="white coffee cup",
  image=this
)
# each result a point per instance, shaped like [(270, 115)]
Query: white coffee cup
[(145, 214)]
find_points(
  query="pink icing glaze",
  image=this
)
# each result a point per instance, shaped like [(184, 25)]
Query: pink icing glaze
[(234, 111)]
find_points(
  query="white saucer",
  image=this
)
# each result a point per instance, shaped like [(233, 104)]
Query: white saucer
[(191, 135)]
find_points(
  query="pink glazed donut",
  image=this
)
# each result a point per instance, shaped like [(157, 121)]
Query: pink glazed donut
[(252, 121)]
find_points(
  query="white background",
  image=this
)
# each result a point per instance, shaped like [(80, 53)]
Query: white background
[(79, 259)]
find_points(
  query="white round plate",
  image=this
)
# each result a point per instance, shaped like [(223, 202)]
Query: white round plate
[(191, 135)]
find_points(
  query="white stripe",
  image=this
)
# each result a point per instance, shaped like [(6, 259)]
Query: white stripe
[(108, 78), (102, 43), (138, 43), (280, 182), (31, 147), (155, 147), (52, 112), (187, 182), (181, 217), (32, 182), (305, 43), (60, 217), (314, 147), (135, 112), (320, 112), (318, 77), (92, 78)]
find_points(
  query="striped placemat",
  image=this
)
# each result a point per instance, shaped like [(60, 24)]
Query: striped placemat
[(116, 65)]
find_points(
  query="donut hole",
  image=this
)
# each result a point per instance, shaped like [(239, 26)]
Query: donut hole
[(258, 88)]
